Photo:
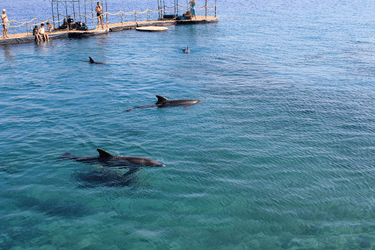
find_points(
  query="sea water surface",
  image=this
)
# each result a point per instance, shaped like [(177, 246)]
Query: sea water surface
[(279, 156)]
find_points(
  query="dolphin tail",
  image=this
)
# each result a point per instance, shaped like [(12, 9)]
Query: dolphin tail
[(65, 156), (141, 107)]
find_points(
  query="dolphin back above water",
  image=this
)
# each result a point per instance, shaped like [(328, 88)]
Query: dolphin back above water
[(186, 51), (107, 160), (165, 103), (93, 62)]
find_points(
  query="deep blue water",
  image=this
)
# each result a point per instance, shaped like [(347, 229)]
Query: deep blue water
[(279, 156)]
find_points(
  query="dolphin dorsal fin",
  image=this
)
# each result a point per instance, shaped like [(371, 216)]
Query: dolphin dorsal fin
[(161, 99), (104, 154), (91, 60)]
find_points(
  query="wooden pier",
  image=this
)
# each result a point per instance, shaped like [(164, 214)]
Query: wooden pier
[(59, 34)]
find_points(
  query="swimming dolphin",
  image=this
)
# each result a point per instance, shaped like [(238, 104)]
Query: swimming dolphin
[(93, 62), (107, 160), (164, 103), (186, 51)]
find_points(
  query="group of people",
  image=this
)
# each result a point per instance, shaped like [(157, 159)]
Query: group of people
[(68, 23), (41, 32)]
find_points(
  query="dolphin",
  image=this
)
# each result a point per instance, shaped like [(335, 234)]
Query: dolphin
[(120, 162), (186, 51), (93, 62), (166, 103)]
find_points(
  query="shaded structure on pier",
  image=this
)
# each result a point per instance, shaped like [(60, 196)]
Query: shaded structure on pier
[(77, 9), (179, 7)]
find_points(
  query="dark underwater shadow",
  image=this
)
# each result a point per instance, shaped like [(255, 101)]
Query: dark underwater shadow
[(55, 207), (105, 177)]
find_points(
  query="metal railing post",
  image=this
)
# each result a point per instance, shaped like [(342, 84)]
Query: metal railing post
[(106, 12), (205, 6), (215, 7)]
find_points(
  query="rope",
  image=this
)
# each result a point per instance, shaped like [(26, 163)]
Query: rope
[(185, 7), (134, 12)]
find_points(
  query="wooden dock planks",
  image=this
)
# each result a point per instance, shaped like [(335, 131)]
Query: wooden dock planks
[(28, 37)]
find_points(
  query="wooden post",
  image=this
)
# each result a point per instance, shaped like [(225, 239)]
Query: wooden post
[(103, 12), (205, 6), (106, 11), (164, 8), (215, 7), (79, 11), (85, 14), (53, 16), (174, 7), (74, 12), (159, 8), (66, 8), (58, 15), (92, 14)]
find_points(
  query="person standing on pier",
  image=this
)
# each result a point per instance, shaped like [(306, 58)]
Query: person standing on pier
[(5, 24), (192, 10), (99, 11)]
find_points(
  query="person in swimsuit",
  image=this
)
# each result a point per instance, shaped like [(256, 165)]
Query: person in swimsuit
[(99, 10), (49, 27), (192, 10), (36, 34), (70, 21), (5, 24), (42, 32)]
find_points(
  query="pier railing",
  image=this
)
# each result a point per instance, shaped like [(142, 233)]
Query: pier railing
[(109, 18)]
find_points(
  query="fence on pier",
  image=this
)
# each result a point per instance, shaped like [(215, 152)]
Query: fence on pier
[(90, 18)]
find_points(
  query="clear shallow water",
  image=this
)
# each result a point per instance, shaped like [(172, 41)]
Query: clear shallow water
[(280, 156)]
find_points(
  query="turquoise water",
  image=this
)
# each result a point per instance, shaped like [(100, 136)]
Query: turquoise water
[(279, 156)]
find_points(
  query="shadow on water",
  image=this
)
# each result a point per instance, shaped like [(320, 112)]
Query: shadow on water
[(105, 177), (55, 207), (23, 227), (7, 52), (12, 236)]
